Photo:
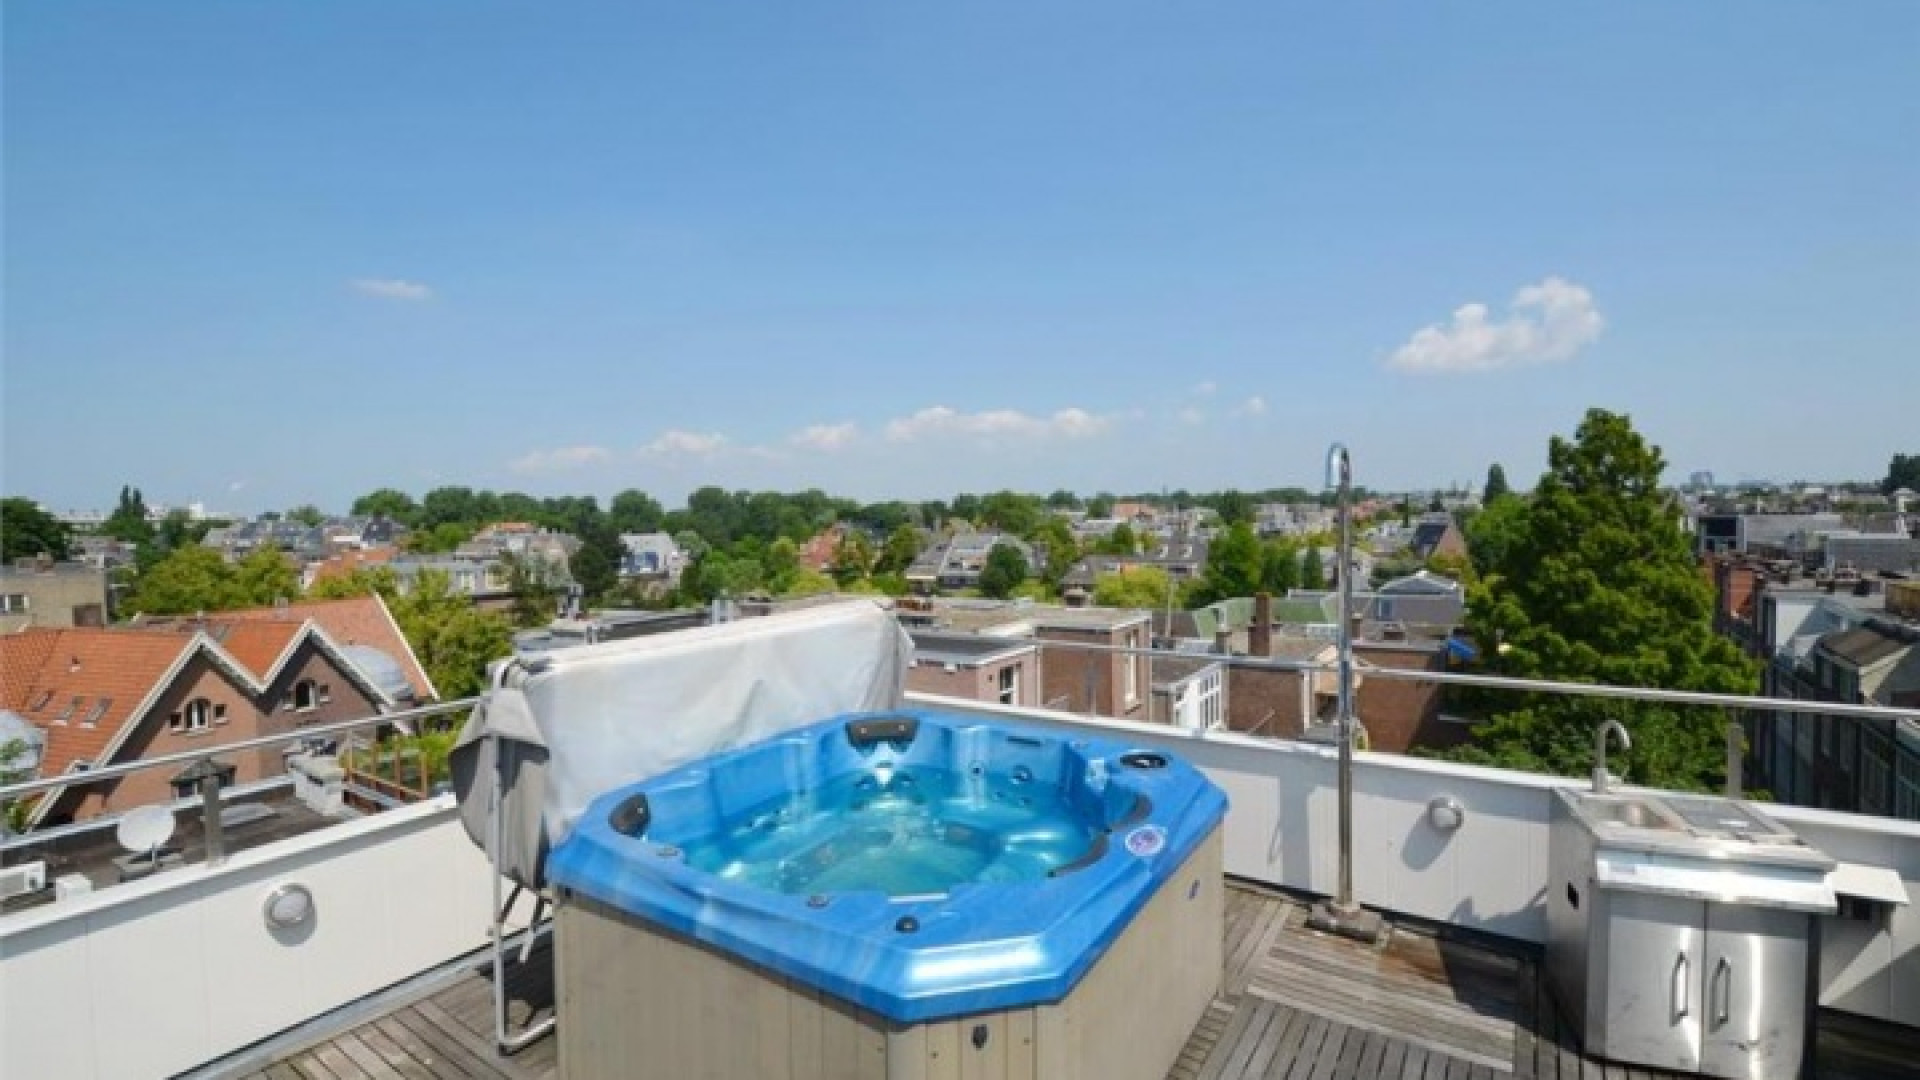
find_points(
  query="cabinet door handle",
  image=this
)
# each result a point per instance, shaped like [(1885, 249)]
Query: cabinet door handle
[(1682, 987), (1722, 990)]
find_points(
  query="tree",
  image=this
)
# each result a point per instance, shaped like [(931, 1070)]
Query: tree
[(307, 514), (596, 565), (1902, 472), (1495, 531), (1121, 541), (1496, 484), (1594, 581), (635, 512), (1009, 512), (263, 578), (188, 580), (1062, 549), (1313, 572), (1063, 500), (1134, 587), (898, 553), (852, 557), (27, 530), (1279, 567), (453, 640), (782, 565), (387, 503), (1233, 507), (129, 518), (535, 588), (1234, 565), (1006, 568), (1100, 506)]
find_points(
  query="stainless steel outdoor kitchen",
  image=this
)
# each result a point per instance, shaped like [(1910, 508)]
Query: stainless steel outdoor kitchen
[(1682, 931)]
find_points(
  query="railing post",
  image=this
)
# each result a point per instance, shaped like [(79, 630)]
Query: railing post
[(1736, 754)]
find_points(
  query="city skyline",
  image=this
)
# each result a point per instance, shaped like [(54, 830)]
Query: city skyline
[(289, 255)]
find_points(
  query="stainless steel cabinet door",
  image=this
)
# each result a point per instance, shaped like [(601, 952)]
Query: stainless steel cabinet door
[(1755, 992), (1652, 1001)]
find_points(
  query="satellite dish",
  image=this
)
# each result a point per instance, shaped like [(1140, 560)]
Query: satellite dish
[(143, 830)]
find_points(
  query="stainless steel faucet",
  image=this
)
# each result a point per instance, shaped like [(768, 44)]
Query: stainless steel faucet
[(1600, 778)]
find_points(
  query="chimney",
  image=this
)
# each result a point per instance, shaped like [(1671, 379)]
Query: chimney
[(1223, 641), (1260, 634)]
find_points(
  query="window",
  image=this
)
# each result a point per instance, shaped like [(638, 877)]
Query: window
[(99, 710), (194, 717), (41, 701), (73, 706), (1130, 672), (306, 694), (326, 693), (1010, 685), (13, 603), (219, 713)]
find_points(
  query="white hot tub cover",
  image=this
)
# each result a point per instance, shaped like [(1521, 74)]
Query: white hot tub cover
[(575, 723)]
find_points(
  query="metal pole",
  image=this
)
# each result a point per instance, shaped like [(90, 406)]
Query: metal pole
[(1344, 916)]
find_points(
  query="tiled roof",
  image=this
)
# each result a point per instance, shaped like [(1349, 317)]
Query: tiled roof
[(355, 620), (258, 646), (119, 667)]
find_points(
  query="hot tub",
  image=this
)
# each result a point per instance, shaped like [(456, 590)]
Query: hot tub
[(899, 894)]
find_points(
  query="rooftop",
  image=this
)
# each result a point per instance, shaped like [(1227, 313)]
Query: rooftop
[(1294, 1004)]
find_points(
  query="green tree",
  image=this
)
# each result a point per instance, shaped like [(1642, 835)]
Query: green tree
[(1100, 506), (264, 577), (1013, 513), (1496, 484), (1234, 566), (188, 580), (635, 512), (898, 553), (1279, 567), (1233, 507), (1135, 587), (443, 537), (1121, 541), (1313, 571), (129, 518), (307, 514), (1063, 500), (596, 565), (852, 557), (782, 565), (1006, 568), (1494, 532), (535, 588), (26, 530), (1903, 471), (453, 640), (1062, 549), (814, 583), (1597, 583), (387, 503)]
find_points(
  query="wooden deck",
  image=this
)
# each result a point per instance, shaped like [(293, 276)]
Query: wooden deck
[(1294, 1004)]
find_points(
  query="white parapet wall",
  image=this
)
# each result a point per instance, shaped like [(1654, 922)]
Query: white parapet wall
[(1490, 873), (153, 977)]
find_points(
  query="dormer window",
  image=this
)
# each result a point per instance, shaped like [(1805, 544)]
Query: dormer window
[(306, 695), (193, 717)]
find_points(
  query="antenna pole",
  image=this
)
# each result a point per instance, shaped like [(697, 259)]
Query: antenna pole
[(1344, 916)]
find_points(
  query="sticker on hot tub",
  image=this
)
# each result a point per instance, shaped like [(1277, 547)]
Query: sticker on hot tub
[(1146, 841)]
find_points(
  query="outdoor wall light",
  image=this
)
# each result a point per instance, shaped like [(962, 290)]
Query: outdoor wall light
[(288, 906), (1446, 814)]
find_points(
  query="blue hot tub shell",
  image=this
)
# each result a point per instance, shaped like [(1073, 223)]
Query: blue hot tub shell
[(975, 948)]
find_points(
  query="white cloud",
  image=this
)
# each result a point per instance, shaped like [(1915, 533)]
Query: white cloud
[(236, 486), (562, 458), (1204, 389), (1545, 324), (940, 420), (1191, 415), (391, 289), (826, 436), (677, 443), (1253, 406)]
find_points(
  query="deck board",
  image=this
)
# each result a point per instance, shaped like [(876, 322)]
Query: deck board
[(1294, 1004)]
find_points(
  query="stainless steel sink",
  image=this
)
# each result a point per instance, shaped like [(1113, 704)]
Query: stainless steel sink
[(1628, 812)]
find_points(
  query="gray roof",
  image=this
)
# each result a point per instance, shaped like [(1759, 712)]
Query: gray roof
[(965, 649), (1863, 646)]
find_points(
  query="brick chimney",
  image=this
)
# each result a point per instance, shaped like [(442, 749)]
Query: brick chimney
[(1260, 634)]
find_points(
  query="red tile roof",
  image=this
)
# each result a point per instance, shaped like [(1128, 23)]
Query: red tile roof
[(258, 646), (355, 620), (121, 667)]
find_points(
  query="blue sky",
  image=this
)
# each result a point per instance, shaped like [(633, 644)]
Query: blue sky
[(265, 254)]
